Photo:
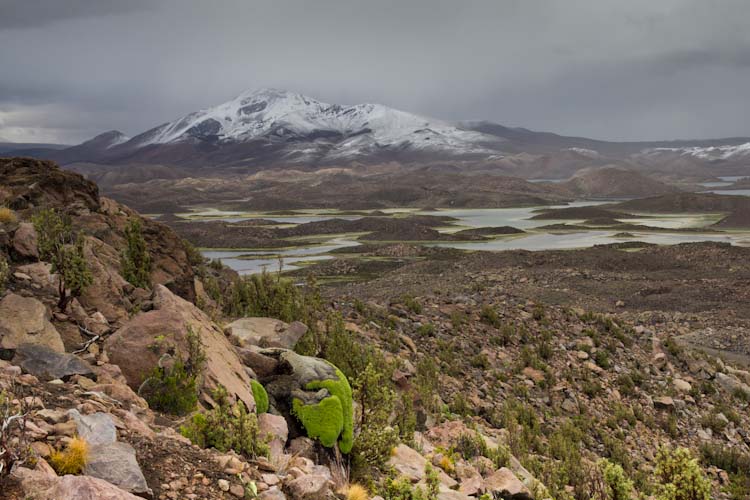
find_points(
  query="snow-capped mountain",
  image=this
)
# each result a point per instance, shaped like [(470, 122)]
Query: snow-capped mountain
[(727, 152), (310, 130), (272, 127)]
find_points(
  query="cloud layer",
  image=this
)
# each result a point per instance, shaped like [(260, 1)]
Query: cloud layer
[(600, 68)]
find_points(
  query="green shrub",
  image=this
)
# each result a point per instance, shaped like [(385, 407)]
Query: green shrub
[(679, 477), (619, 487), (261, 397), (135, 260), (375, 436), (402, 489), (226, 427), (271, 296), (64, 251)]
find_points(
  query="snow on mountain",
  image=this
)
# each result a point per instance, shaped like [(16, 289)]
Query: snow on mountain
[(707, 153), (281, 115)]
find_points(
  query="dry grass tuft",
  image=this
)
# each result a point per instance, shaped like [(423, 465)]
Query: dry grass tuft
[(7, 215), (73, 459)]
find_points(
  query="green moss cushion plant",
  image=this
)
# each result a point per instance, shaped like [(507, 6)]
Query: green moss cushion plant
[(261, 397), (331, 419)]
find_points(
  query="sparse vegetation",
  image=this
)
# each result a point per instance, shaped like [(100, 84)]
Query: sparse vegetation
[(4, 272), (172, 387)]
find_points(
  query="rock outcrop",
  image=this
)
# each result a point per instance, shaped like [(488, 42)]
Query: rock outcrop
[(137, 346)]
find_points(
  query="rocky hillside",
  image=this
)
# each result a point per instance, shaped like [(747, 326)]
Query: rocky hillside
[(130, 367)]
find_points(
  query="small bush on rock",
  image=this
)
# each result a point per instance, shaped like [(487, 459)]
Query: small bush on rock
[(135, 259), (226, 427), (60, 247), (173, 385)]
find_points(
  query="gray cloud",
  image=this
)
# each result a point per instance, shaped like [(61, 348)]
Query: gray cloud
[(602, 68), (20, 14)]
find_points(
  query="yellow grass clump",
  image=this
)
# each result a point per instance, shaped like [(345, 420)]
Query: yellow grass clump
[(356, 492), (7, 215), (73, 459)]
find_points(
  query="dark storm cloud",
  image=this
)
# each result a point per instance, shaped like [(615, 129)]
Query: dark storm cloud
[(604, 68)]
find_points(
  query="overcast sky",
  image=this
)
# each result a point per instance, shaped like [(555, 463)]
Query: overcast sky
[(611, 69)]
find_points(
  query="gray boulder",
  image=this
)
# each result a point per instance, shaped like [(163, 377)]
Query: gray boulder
[(266, 332), (97, 428), (47, 364), (116, 464)]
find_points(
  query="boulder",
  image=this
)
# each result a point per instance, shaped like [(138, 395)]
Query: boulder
[(266, 332), (409, 463), (41, 277), (310, 487), (731, 384), (116, 463), (96, 429), (137, 346), (46, 364), (107, 295), (504, 484), (43, 486), (25, 241), (316, 393), (275, 429), (263, 366), (24, 320)]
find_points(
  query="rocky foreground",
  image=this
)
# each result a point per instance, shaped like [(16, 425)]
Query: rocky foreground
[(442, 379)]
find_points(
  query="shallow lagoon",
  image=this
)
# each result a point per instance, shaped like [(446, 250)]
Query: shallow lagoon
[(256, 260)]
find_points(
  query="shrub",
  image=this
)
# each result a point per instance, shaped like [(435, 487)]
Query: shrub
[(14, 443), (412, 304), (679, 476), (226, 427), (271, 296), (375, 437), (618, 486), (7, 215), (490, 317), (135, 259), (173, 387), (261, 397), (73, 459), (58, 246), (4, 272), (402, 489)]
